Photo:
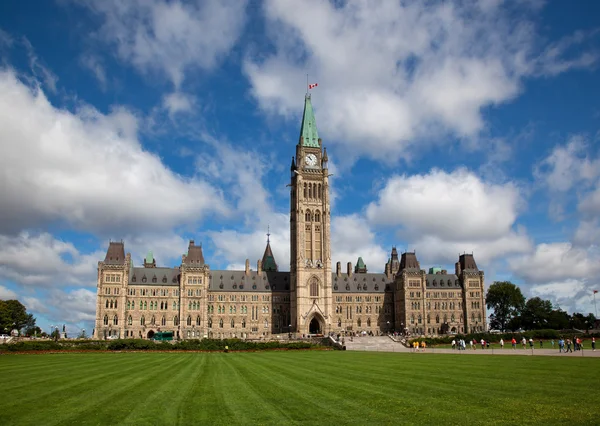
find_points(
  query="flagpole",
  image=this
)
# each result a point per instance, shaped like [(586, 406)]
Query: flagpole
[(307, 84)]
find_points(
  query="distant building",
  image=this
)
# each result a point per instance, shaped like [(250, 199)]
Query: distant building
[(194, 301)]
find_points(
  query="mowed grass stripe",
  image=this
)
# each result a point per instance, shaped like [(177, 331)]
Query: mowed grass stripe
[(296, 387), (94, 387), (39, 368)]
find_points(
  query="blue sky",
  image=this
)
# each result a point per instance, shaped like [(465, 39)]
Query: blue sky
[(450, 128)]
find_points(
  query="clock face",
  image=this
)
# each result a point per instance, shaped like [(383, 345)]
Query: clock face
[(311, 160)]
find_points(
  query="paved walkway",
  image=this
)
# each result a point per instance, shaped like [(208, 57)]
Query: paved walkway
[(385, 344)]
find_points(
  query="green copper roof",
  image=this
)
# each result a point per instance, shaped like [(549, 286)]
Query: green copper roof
[(308, 132), (435, 270), (360, 263), (268, 260), (149, 257)]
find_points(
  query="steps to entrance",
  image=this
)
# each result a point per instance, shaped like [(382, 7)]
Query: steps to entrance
[(374, 344)]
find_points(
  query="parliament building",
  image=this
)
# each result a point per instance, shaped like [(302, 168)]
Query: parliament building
[(194, 301)]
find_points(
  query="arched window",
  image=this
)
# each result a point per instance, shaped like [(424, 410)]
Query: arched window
[(175, 320), (412, 319), (221, 323), (314, 185), (310, 191), (266, 323), (174, 306), (232, 323), (437, 319), (105, 319), (317, 216), (368, 322), (107, 304), (189, 320), (307, 216), (419, 319), (115, 320), (314, 288), (358, 322), (304, 189), (339, 322), (210, 323), (428, 319), (142, 320), (320, 195), (111, 304), (163, 321), (145, 305), (244, 323), (153, 321), (198, 320)]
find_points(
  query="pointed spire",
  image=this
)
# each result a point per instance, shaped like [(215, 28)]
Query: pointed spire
[(293, 166), (308, 131), (268, 263), (325, 158)]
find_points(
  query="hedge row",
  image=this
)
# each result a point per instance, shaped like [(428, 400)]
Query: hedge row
[(149, 345)]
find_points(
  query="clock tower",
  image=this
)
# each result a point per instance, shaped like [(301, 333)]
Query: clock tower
[(310, 260)]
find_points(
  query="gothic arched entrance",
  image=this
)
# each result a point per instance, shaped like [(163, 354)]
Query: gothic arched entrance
[(315, 327), (150, 334)]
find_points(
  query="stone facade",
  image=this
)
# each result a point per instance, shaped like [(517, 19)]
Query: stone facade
[(193, 301)]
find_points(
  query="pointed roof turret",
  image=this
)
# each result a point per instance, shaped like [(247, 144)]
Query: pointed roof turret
[(149, 261), (115, 253), (308, 132), (268, 261), (360, 267), (194, 255)]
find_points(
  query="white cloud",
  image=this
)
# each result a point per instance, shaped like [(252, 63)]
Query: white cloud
[(557, 262), (567, 166), (38, 69), (43, 261), (94, 64), (237, 246), (443, 214), (73, 307), (587, 233), (392, 73), (178, 102), (242, 172), (170, 37), (90, 170), (6, 293), (452, 206), (352, 237)]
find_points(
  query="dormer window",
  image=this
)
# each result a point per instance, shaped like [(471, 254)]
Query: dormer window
[(144, 279), (133, 279), (154, 279), (164, 279)]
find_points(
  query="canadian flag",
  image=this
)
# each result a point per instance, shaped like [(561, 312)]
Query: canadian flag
[(595, 291), (312, 86)]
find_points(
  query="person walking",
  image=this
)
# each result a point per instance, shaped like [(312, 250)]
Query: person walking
[(541, 344), (524, 342), (561, 345), (569, 346), (531, 343), (514, 343), (501, 343), (593, 344)]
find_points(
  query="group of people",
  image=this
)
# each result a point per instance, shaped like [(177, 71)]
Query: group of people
[(577, 344)]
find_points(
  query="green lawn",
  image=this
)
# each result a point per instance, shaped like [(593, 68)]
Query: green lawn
[(304, 387)]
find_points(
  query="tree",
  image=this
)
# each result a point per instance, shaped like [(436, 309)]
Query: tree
[(536, 314), (13, 315), (559, 319), (507, 301)]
